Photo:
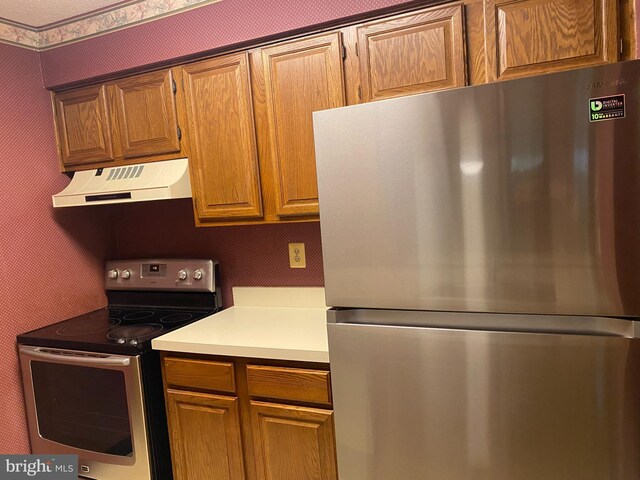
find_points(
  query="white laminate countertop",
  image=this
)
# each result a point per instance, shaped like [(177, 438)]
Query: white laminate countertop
[(284, 323)]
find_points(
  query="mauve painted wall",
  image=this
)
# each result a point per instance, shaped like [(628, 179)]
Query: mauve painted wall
[(251, 255), (50, 262), (224, 23)]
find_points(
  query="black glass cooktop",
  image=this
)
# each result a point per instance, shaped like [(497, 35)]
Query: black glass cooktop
[(126, 331)]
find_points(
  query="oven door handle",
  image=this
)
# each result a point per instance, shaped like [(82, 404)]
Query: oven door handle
[(74, 358)]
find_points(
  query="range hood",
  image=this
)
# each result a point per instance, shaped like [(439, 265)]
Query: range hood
[(131, 183)]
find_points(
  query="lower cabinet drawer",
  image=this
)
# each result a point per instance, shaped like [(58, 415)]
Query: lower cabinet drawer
[(294, 384), (199, 374)]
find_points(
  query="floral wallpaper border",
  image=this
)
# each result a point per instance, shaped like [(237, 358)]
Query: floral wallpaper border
[(101, 23)]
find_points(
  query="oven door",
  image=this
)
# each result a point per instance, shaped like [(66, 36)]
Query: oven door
[(88, 404)]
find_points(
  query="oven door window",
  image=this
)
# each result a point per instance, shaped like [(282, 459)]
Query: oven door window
[(82, 407)]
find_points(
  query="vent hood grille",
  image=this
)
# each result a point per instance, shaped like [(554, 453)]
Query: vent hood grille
[(123, 173), (132, 183)]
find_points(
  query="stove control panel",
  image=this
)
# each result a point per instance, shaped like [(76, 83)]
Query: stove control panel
[(161, 274)]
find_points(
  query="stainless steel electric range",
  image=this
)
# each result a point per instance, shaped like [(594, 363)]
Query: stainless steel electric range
[(92, 383)]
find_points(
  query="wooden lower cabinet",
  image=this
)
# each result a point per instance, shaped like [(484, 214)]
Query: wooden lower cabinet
[(293, 443), (205, 436), (277, 424)]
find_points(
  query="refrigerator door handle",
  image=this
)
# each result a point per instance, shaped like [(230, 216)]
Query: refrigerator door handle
[(506, 323)]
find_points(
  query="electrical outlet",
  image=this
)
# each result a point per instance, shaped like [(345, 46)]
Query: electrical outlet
[(297, 258)]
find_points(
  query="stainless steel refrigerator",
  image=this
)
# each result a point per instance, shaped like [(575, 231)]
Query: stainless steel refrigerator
[(481, 251)]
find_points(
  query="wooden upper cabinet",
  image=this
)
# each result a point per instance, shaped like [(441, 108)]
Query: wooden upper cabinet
[(83, 126), (119, 122), (300, 77), (412, 53), (293, 443), (205, 436), (146, 112), (530, 37), (224, 162)]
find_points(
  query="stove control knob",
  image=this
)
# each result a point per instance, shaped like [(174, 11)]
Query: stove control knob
[(120, 340), (126, 274), (182, 274), (133, 341), (198, 274), (113, 274)]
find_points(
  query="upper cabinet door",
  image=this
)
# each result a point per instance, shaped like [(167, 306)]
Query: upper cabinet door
[(412, 53), (224, 162), (146, 110), (83, 126), (300, 77), (530, 37)]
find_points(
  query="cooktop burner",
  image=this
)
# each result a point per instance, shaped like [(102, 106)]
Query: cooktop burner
[(83, 328), (176, 317)]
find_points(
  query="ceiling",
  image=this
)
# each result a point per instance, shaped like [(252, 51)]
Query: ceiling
[(39, 13)]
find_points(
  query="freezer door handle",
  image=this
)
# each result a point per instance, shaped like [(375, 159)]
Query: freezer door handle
[(498, 322)]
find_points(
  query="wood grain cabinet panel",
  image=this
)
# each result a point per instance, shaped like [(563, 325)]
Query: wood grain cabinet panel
[(413, 53), (293, 443), (200, 374), (205, 436), (226, 181), (83, 126), (294, 384), (300, 77), (147, 117), (530, 37)]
